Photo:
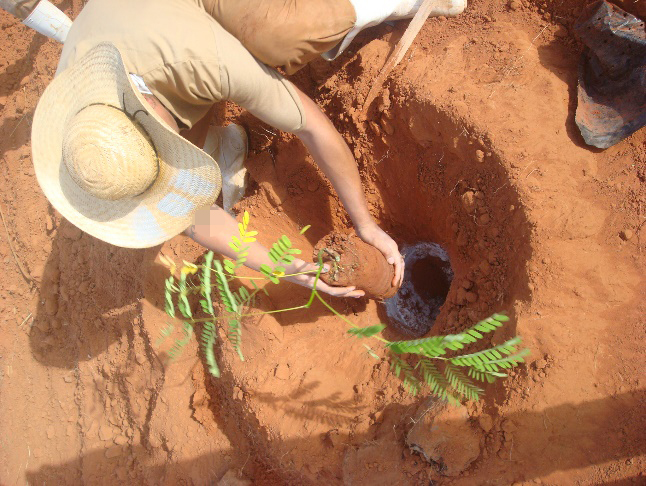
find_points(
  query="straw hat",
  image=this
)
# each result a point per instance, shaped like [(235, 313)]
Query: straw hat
[(109, 164)]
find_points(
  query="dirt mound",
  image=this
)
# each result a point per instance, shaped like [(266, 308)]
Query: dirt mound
[(471, 145)]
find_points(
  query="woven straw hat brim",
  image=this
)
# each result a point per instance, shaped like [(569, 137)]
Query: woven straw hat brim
[(188, 179)]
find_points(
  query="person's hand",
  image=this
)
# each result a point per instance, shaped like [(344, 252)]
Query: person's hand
[(375, 236), (307, 280)]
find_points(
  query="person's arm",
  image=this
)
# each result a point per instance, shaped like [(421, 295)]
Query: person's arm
[(333, 156), (216, 231)]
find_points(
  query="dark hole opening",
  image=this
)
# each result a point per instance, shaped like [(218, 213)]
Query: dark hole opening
[(427, 279)]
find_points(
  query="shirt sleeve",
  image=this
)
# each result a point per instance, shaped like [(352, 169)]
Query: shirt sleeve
[(258, 88)]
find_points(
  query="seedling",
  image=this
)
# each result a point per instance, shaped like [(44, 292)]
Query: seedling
[(437, 363)]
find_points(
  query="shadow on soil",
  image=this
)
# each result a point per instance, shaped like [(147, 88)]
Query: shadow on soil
[(596, 419), (89, 297), (90, 294)]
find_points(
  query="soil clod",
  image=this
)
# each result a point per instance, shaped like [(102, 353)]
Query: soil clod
[(354, 262)]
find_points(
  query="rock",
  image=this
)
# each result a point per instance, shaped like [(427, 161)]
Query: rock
[(626, 234), (540, 364), (49, 223), (468, 201), (444, 436), (480, 156), (515, 5), (486, 422), (105, 433), (484, 219), (154, 441), (231, 479), (71, 232), (140, 358), (120, 440), (68, 379)]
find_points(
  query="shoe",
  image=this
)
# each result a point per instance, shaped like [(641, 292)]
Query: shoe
[(48, 20), (373, 12), (229, 147)]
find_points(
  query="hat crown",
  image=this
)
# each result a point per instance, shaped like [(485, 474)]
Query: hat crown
[(108, 154)]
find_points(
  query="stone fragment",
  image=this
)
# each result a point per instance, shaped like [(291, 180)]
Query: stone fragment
[(480, 156), (515, 5), (540, 364), (120, 440), (468, 201), (626, 234), (106, 433), (444, 436)]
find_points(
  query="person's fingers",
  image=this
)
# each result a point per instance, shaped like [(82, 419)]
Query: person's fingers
[(341, 291)]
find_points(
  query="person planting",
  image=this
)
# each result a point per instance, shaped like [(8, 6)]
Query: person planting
[(133, 75)]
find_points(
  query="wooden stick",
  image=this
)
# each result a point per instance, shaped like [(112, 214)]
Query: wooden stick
[(400, 49), (24, 273)]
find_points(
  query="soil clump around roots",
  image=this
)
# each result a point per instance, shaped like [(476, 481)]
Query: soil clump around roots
[(354, 262), (471, 144)]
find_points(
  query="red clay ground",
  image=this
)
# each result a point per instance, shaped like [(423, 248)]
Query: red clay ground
[(472, 145)]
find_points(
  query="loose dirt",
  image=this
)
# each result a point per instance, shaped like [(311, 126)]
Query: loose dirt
[(471, 144)]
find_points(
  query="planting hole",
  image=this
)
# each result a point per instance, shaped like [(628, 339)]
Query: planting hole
[(427, 279)]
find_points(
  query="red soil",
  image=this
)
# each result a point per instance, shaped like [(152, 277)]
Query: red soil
[(472, 144)]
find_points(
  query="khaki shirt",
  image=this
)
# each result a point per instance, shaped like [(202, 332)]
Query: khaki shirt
[(185, 58)]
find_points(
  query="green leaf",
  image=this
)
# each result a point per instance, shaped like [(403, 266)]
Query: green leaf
[(235, 337), (487, 356), (208, 340), (461, 384), (266, 269), (305, 228), (222, 285), (365, 332), (169, 307), (164, 333)]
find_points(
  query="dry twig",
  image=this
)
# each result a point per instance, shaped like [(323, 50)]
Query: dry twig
[(400, 49), (24, 272)]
